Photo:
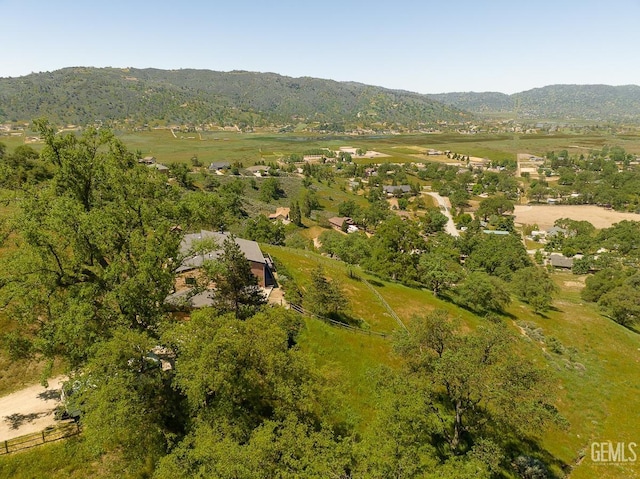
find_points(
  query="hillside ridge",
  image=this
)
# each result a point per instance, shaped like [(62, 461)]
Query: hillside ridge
[(81, 95), (594, 102)]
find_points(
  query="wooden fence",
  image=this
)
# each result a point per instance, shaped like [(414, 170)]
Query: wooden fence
[(385, 304), (333, 322), (50, 434)]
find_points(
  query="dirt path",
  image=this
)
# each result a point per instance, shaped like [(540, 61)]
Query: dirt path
[(29, 410), (445, 207)]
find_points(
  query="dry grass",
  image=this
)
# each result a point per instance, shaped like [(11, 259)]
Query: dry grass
[(546, 215)]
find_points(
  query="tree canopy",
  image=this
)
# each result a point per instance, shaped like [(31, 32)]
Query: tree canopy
[(95, 245), (236, 287)]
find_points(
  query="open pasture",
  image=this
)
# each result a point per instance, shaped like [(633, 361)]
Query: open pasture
[(249, 148)]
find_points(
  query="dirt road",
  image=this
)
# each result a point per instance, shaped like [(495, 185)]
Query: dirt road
[(29, 410), (445, 207)]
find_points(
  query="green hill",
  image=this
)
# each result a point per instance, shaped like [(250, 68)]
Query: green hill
[(88, 95), (560, 102)]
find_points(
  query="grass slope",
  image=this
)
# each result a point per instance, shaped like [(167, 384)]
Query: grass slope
[(594, 359)]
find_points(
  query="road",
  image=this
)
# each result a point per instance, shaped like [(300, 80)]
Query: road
[(445, 207), (29, 410)]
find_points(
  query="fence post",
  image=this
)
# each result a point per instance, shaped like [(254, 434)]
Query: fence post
[(6, 446), (43, 439)]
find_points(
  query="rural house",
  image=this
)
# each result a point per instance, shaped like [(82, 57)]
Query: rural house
[(281, 214), (340, 222), (396, 190), (219, 165), (560, 261), (193, 260), (159, 167), (189, 271)]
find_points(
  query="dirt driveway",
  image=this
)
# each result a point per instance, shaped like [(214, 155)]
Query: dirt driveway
[(29, 410)]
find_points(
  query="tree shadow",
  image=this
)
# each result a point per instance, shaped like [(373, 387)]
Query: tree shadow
[(526, 454), (16, 420), (480, 312), (345, 319), (376, 283), (50, 394)]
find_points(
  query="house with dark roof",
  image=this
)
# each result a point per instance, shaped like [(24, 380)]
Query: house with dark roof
[(219, 165), (189, 273), (337, 222), (343, 223), (560, 261), (396, 189), (194, 260)]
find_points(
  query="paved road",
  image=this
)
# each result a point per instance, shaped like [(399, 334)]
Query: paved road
[(29, 410), (445, 207)]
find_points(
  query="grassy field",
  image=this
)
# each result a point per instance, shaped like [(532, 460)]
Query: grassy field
[(67, 458), (249, 148)]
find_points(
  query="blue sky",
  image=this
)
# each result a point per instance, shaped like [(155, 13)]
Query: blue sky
[(423, 46)]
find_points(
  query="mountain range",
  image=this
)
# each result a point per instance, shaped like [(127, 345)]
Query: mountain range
[(86, 95), (555, 102), (82, 95)]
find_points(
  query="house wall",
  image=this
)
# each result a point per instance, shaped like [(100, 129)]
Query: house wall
[(258, 270), (181, 283)]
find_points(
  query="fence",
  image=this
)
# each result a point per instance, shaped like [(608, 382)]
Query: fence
[(385, 304), (333, 322), (50, 434)]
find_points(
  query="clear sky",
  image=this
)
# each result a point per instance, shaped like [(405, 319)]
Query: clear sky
[(424, 46)]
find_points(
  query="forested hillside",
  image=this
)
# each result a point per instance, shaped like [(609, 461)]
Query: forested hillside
[(86, 95), (561, 102)]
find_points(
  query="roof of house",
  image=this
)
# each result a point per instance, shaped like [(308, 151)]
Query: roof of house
[(249, 248), (158, 166), (219, 165), (280, 212), (338, 221), (554, 230), (560, 261), (394, 188), (202, 299)]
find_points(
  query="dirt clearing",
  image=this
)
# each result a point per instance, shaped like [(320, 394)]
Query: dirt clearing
[(546, 215), (29, 410)]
